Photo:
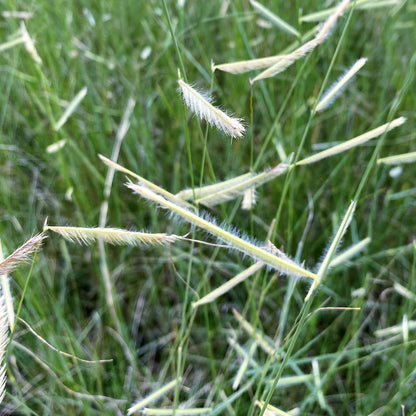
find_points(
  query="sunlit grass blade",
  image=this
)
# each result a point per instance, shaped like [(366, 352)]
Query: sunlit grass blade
[(200, 104), (115, 236), (333, 248), (252, 250), (273, 18), (234, 191), (359, 5), (153, 396), (70, 108), (21, 255), (254, 333), (398, 159), (226, 287), (55, 147), (349, 144), (394, 330), (338, 87), (11, 43), (145, 182), (350, 252)]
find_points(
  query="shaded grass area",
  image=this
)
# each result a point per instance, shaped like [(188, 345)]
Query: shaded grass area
[(100, 45)]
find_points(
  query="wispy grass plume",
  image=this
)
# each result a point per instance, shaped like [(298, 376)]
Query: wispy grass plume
[(21, 255), (115, 236), (338, 87), (200, 104), (234, 241)]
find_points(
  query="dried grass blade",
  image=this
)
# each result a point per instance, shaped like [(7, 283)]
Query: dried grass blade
[(240, 67), (226, 287), (398, 159), (153, 396), (115, 236), (349, 144), (4, 340)]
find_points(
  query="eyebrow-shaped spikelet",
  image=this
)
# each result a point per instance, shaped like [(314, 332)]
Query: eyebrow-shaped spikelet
[(200, 104), (21, 254), (115, 236)]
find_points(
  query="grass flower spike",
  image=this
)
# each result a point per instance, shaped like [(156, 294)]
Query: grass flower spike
[(201, 105)]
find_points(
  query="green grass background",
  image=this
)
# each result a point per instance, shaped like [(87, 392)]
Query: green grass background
[(98, 44)]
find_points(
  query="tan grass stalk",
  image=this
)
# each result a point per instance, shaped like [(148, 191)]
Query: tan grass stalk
[(73, 104), (21, 255), (29, 45), (115, 236), (276, 20), (398, 159), (226, 287), (235, 242), (336, 89), (153, 396), (4, 340), (242, 352), (349, 144), (200, 104)]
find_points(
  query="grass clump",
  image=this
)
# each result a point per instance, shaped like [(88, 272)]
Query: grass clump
[(275, 273)]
